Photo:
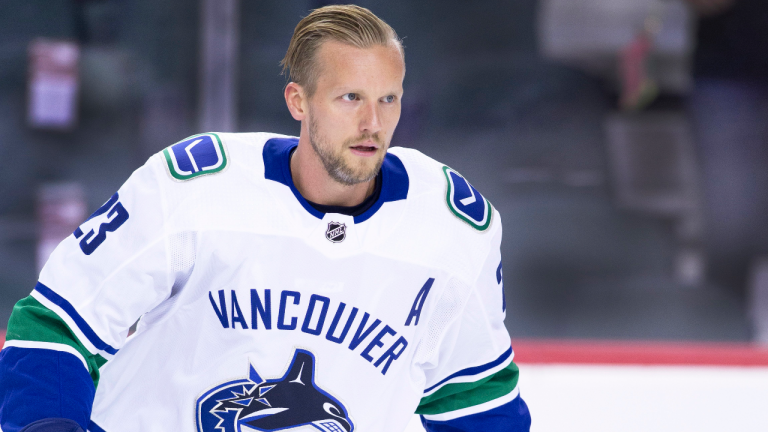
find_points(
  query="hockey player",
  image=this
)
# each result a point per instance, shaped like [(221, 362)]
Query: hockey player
[(325, 282)]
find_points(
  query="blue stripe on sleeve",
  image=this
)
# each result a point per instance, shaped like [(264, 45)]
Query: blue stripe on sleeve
[(510, 417), (70, 310), (474, 370), (37, 384)]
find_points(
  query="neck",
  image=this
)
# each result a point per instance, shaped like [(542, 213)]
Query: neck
[(316, 185)]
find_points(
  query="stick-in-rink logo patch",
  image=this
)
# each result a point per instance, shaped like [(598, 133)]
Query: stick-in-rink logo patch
[(196, 156), (466, 202), (291, 402), (336, 232)]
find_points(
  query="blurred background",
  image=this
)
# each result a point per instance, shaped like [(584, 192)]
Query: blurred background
[(624, 142)]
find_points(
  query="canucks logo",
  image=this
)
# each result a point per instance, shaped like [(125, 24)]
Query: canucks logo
[(466, 202), (293, 402), (195, 156)]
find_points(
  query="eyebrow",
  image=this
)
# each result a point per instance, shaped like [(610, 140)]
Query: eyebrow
[(344, 90)]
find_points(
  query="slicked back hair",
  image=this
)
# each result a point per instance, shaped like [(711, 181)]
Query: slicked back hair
[(349, 24)]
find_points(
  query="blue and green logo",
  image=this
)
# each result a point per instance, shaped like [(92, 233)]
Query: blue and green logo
[(466, 202), (196, 156)]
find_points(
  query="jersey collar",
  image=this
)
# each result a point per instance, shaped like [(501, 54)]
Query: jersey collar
[(277, 167)]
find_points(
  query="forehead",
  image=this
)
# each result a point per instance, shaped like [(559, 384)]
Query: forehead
[(342, 64)]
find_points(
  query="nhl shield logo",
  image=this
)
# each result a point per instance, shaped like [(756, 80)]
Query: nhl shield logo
[(336, 232)]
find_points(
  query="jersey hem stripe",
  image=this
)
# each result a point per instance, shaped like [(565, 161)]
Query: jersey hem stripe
[(46, 346), (474, 371), (78, 320), (487, 406)]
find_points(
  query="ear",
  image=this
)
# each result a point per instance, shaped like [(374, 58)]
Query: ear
[(296, 101)]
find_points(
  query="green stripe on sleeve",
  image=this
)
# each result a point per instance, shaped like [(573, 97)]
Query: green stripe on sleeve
[(452, 397), (31, 321)]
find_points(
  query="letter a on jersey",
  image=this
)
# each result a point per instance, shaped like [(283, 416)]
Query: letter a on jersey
[(196, 156), (466, 202), (418, 303)]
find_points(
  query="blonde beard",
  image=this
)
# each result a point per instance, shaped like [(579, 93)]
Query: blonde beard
[(334, 163)]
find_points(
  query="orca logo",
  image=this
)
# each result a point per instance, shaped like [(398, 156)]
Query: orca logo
[(336, 232), (465, 201), (293, 402), (195, 156)]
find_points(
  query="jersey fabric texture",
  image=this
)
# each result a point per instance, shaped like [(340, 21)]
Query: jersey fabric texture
[(258, 312)]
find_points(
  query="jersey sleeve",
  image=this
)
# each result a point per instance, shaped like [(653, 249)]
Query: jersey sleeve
[(94, 287), (471, 378)]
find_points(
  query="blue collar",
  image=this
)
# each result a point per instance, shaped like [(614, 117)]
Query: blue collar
[(277, 167)]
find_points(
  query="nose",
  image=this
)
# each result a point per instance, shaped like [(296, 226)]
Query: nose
[(371, 118)]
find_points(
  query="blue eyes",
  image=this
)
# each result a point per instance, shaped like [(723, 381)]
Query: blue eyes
[(350, 97)]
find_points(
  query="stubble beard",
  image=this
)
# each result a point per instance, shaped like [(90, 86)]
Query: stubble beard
[(335, 165)]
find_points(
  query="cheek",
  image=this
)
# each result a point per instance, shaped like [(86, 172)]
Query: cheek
[(336, 128), (391, 118), (340, 116)]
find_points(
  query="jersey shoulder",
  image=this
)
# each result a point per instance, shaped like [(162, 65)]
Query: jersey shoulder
[(450, 193), (213, 153)]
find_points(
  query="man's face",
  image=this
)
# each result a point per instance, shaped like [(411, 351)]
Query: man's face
[(355, 108)]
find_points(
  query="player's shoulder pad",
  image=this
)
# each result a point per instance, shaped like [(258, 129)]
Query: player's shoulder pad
[(196, 156), (461, 198)]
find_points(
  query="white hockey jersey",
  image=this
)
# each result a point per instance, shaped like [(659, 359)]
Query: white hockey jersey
[(260, 313)]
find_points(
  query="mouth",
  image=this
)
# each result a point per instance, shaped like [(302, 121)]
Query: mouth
[(367, 148)]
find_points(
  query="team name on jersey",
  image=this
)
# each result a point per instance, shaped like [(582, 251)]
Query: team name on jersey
[(379, 348)]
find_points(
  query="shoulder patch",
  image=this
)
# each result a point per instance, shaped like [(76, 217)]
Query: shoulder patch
[(196, 156), (466, 202)]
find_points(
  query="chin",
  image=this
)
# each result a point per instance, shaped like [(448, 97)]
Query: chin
[(364, 172)]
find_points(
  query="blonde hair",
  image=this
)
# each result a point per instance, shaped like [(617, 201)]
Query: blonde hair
[(349, 24)]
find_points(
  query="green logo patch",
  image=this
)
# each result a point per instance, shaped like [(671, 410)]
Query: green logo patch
[(466, 202), (196, 156)]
